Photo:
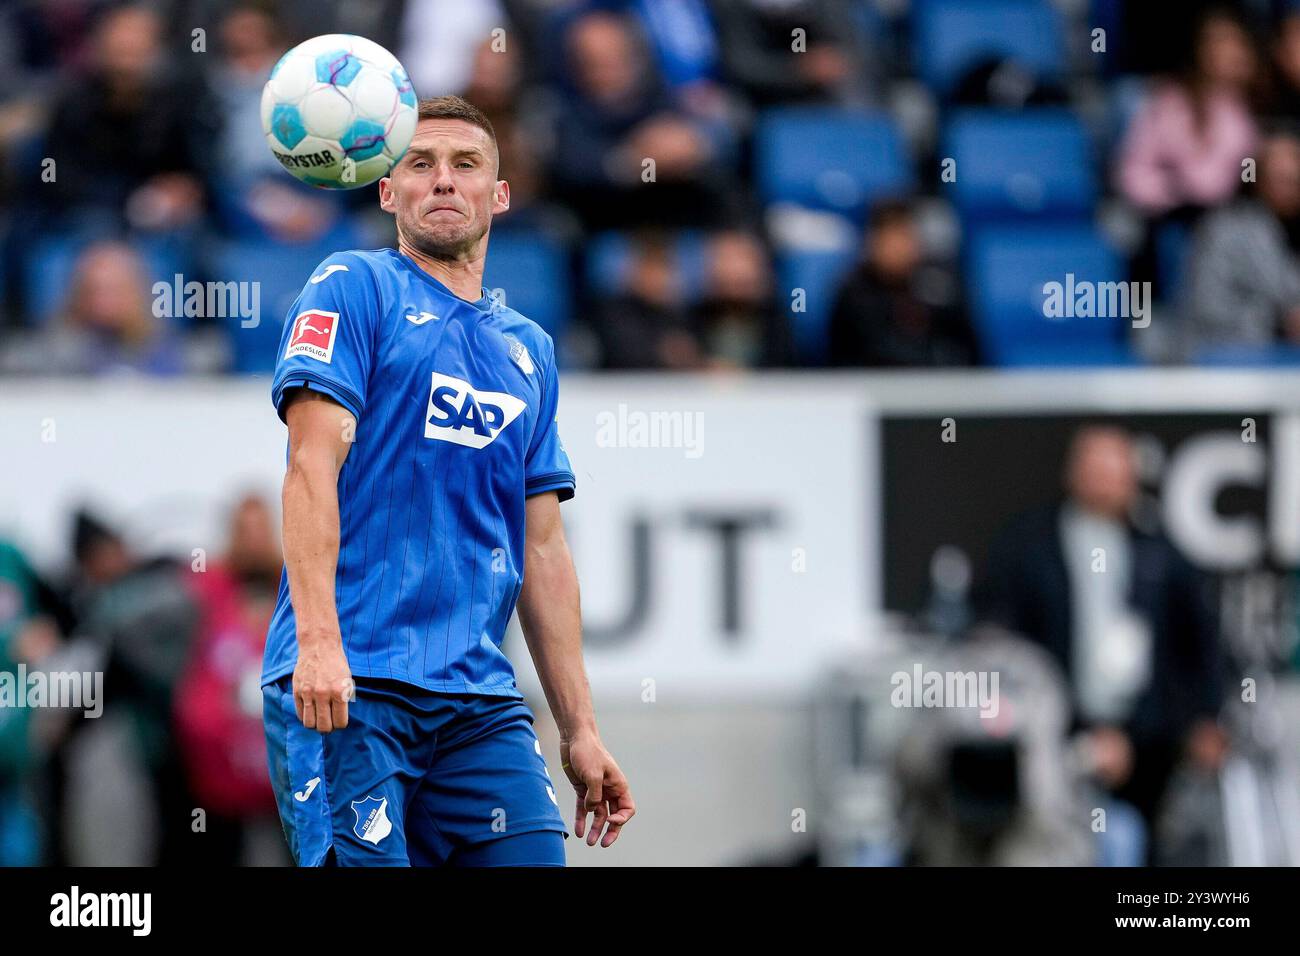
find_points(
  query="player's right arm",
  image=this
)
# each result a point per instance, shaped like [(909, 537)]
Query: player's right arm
[(319, 433), (319, 390)]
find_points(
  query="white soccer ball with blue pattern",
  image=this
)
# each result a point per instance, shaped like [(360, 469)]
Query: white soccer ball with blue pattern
[(338, 111)]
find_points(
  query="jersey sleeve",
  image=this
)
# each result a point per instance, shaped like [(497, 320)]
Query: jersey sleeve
[(547, 467), (328, 339)]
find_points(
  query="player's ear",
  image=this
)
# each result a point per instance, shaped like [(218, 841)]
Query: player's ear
[(386, 194), (502, 196)]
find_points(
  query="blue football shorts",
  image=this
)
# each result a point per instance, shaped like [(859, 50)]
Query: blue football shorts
[(416, 778)]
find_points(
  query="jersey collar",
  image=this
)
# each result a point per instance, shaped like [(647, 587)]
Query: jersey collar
[(484, 304)]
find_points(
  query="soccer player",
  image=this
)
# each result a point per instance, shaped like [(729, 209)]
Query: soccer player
[(421, 501)]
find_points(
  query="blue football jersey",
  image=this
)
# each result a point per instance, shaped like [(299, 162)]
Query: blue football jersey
[(455, 404)]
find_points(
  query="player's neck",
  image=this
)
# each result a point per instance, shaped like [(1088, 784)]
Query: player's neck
[(464, 277)]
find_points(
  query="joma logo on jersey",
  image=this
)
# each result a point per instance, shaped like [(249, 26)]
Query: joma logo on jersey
[(463, 415)]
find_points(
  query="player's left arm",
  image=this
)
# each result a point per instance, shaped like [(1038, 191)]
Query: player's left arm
[(552, 622)]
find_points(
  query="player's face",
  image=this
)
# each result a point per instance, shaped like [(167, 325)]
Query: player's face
[(444, 191)]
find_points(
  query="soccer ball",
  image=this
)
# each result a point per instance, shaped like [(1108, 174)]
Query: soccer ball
[(338, 111)]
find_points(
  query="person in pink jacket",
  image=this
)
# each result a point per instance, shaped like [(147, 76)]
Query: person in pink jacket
[(1186, 144)]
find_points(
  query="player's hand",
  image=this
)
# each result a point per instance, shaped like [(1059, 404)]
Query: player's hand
[(601, 787), (322, 686)]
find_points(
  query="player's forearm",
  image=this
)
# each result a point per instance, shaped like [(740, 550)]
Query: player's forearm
[(311, 548), (551, 616)]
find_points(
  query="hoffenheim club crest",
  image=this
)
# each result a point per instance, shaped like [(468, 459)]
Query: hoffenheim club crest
[(372, 819)]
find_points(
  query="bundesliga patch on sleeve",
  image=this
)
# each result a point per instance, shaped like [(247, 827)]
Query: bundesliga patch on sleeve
[(313, 335)]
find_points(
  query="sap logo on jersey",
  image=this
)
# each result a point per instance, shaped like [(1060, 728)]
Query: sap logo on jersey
[(313, 335), (461, 414)]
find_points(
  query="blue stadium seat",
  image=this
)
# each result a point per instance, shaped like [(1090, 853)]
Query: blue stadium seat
[(819, 273), (47, 275), (48, 266), (1021, 165), (950, 36), (827, 158), (281, 270), (1007, 269), (533, 270)]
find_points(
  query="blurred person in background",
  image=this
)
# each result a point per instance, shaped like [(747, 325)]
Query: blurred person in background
[(29, 58), (131, 140), (140, 612), (737, 321), (1183, 151), (1185, 146), (250, 42), (108, 326), (377, 20), (32, 619), (683, 40), (39, 44), (893, 310), (1128, 620), (648, 324), (20, 834), (441, 41), (759, 57), (1243, 283), (496, 87), (218, 701), (252, 189), (614, 116)]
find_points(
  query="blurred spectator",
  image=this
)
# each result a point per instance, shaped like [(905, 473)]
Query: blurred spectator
[(1124, 614), (440, 42), (131, 140), (648, 325), (378, 20), (31, 617), (218, 700), (496, 88), (250, 41), (20, 836), (143, 616), (1185, 146), (620, 116), (737, 320), (28, 63), (688, 57), (1183, 151), (893, 310), (1244, 286), (252, 188), (758, 50), (108, 326)]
